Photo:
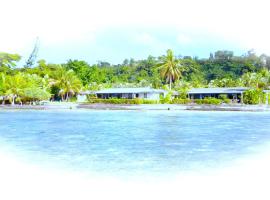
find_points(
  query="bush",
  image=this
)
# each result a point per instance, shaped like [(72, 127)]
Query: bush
[(34, 94), (226, 101), (123, 101), (254, 96), (166, 99), (211, 101), (73, 99), (147, 101), (181, 101), (224, 98)]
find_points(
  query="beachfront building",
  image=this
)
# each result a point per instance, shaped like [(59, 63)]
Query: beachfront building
[(83, 96), (131, 93), (233, 93), (267, 96)]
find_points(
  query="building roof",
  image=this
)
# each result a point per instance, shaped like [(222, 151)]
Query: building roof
[(130, 90), (86, 92), (231, 90)]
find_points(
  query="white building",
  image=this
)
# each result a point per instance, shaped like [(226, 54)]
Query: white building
[(131, 93), (82, 96)]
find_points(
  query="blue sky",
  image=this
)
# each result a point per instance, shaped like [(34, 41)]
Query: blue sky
[(116, 44), (94, 30)]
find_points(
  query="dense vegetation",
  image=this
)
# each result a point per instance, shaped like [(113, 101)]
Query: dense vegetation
[(62, 81)]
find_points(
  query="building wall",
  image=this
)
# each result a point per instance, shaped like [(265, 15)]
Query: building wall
[(81, 98), (234, 97), (151, 96), (148, 95)]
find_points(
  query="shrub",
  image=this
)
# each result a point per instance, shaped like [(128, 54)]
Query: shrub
[(147, 101), (226, 101), (123, 101), (212, 101), (73, 99), (254, 96), (166, 99), (224, 98), (198, 101), (181, 101)]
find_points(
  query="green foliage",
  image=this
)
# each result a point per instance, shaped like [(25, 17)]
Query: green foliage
[(81, 69), (180, 101), (166, 99), (212, 101), (67, 82), (170, 67), (221, 69), (8, 61), (224, 82), (122, 101), (35, 94), (254, 96), (224, 98), (182, 88), (24, 87)]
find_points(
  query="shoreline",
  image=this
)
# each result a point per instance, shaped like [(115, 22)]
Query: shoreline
[(194, 107)]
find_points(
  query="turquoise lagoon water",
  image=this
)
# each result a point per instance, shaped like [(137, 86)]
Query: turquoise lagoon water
[(133, 142)]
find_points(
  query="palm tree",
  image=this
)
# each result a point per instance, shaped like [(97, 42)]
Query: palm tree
[(2, 87), (252, 79), (67, 82), (170, 68), (14, 86)]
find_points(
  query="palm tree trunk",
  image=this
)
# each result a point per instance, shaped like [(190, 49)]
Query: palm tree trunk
[(170, 82), (13, 100), (67, 97)]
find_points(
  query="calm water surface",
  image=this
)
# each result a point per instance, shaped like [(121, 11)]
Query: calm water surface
[(133, 142)]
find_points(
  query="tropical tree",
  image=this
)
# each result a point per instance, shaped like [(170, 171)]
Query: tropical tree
[(67, 82), (7, 61), (224, 82), (14, 86), (2, 87), (170, 68), (253, 80), (182, 88), (36, 89)]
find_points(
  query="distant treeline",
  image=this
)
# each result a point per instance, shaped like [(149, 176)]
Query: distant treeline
[(222, 69)]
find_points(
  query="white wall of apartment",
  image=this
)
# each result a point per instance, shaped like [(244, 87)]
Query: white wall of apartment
[(81, 98), (150, 96)]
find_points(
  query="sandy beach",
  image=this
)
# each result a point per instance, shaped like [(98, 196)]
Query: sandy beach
[(249, 179)]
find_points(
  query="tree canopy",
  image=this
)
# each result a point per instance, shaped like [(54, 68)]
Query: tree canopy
[(62, 81)]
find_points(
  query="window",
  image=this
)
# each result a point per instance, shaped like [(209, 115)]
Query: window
[(145, 95)]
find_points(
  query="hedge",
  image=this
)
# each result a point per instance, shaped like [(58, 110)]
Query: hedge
[(123, 101), (181, 101), (212, 101)]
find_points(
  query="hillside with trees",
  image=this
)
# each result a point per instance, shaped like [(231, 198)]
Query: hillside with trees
[(22, 84)]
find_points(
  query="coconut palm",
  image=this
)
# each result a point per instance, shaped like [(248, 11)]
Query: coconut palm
[(252, 79), (2, 87), (14, 86), (67, 82), (170, 68)]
